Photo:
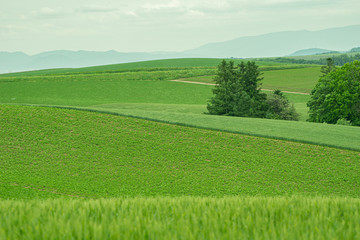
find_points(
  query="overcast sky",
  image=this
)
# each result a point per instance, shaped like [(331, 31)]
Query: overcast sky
[(33, 26)]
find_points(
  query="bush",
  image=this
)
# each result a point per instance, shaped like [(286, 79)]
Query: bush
[(280, 108), (344, 122)]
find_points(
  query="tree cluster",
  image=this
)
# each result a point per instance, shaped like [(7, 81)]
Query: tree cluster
[(238, 93), (355, 49), (336, 97)]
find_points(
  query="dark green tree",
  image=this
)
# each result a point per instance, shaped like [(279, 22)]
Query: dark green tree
[(336, 97), (329, 67), (237, 91), (224, 91)]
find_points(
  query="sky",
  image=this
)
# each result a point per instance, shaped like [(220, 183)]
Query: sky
[(158, 25)]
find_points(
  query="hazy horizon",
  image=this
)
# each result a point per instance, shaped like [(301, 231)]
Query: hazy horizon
[(151, 26)]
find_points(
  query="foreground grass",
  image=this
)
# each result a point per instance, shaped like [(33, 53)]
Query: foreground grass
[(46, 152), (182, 218)]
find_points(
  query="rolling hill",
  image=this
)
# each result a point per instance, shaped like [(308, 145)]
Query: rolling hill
[(86, 162)]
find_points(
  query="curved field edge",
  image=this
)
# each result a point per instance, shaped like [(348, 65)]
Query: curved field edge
[(182, 218), (337, 136), (61, 152)]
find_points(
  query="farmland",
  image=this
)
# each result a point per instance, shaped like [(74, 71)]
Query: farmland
[(148, 94), (79, 142), (182, 218), (95, 155)]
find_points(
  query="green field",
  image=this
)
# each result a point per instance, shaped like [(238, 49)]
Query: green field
[(182, 218), (85, 162), (156, 65), (69, 152), (142, 94), (300, 80)]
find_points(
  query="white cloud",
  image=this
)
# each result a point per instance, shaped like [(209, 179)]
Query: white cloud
[(97, 9), (46, 13), (131, 13), (166, 24), (172, 4), (195, 13)]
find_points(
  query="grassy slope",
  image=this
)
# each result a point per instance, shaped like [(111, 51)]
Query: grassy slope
[(92, 91), (296, 80), (323, 134), (163, 100), (58, 152)]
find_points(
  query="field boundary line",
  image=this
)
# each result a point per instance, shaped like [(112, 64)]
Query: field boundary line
[(213, 84), (190, 125)]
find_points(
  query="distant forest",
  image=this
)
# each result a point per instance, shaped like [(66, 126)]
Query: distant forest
[(338, 60)]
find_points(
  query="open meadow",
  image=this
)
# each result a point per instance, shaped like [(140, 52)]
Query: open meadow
[(121, 151)]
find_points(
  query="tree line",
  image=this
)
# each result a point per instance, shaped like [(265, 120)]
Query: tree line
[(339, 60)]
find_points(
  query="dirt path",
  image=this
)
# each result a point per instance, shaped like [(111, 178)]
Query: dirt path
[(212, 84)]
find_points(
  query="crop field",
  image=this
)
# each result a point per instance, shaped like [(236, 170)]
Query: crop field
[(82, 160), (55, 163), (300, 80), (87, 154), (182, 218)]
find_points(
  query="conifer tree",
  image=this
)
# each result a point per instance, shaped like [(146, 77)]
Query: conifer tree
[(237, 91)]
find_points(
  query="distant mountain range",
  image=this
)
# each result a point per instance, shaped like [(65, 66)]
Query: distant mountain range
[(18, 61), (312, 51), (267, 45)]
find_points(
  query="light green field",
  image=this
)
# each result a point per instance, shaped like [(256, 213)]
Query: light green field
[(301, 80), (323, 134), (295, 80), (182, 218)]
